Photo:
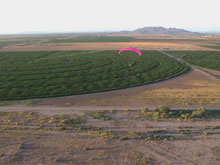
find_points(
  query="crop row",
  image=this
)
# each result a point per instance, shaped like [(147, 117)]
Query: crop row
[(206, 59), (62, 73)]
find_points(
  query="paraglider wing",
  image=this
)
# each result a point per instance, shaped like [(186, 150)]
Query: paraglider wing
[(131, 49)]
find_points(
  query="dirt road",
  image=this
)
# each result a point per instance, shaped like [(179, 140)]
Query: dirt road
[(204, 70), (55, 110)]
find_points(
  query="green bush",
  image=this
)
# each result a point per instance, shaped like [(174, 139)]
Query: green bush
[(101, 115), (199, 113), (163, 109), (132, 133), (123, 138), (144, 110), (161, 112)]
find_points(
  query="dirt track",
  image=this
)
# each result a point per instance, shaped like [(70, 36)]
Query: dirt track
[(55, 110)]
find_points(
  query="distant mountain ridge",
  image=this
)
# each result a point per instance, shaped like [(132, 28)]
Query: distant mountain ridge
[(161, 30)]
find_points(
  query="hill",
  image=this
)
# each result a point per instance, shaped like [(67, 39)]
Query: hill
[(161, 30)]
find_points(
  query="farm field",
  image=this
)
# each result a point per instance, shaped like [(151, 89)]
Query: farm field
[(50, 74), (146, 45), (157, 136), (192, 89), (7, 43), (53, 42), (205, 59), (79, 39), (214, 46), (129, 38), (85, 125)]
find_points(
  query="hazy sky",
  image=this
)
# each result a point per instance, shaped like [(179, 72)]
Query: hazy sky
[(97, 15)]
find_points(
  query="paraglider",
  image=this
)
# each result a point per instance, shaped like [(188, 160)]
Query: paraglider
[(131, 49)]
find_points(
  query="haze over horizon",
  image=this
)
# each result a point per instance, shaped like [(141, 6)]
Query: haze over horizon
[(25, 16)]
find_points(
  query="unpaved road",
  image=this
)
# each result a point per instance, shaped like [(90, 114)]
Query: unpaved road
[(55, 110), (181, 60)]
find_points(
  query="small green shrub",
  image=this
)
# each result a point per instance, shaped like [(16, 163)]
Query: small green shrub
[(205, 133), (123, 138), (107, 135), (144, 110), (30, 102), (101, 115), (112, 111), (163, 109), (156, 115), (132, 133), (20, 146), (199, 113), (63, 128), (161, 112)]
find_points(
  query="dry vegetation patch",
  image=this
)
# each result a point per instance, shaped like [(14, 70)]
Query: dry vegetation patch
[(129, 137), (202, 93)]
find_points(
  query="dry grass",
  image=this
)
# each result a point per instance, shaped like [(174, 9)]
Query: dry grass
[(203, 93), (149, 45), (58, 142)]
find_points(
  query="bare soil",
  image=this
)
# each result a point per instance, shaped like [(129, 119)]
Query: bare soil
[(147, 142)]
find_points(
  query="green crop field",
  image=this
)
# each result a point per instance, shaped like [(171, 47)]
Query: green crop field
[(215, 46), (60, 73), (206, 59), (8, 43), (94, 39)]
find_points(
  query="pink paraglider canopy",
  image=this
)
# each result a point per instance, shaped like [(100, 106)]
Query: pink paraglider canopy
[(132, 49)]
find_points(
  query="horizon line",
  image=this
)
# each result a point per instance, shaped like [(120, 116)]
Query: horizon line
[(107, 31)]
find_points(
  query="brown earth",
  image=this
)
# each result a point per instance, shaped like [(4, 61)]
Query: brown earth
[(36, 138)]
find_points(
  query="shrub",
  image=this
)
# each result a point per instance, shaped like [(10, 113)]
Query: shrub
[(132, 133), (184, 116), (144, 110), (102, 115), (123, 138), (205, 133), (112, 111), (156, 115), (161, 112), (30, 102), (20, 146), (163, 109), (199, 113), (107, 134), (63, 128)]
